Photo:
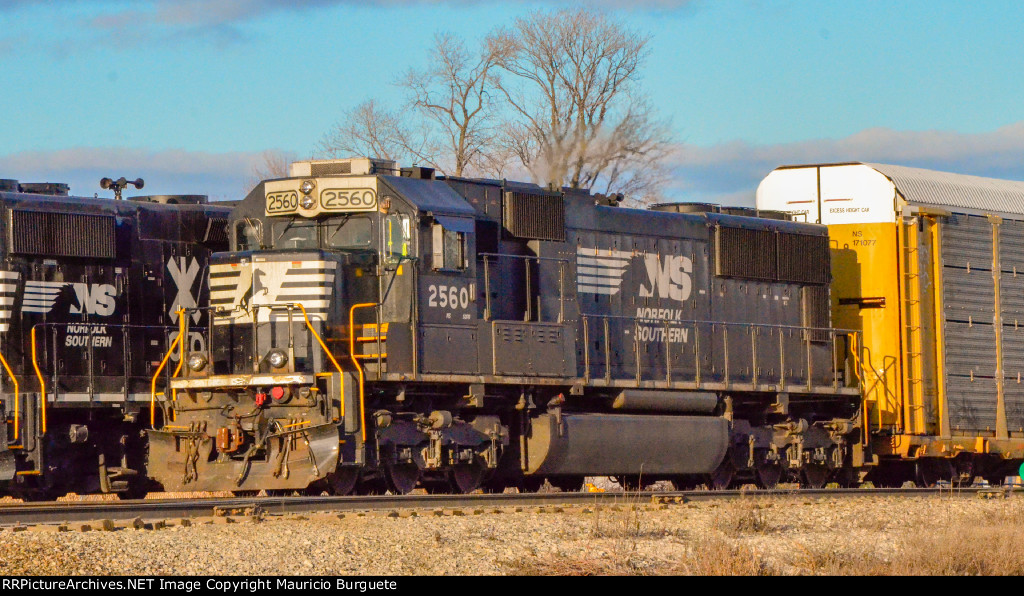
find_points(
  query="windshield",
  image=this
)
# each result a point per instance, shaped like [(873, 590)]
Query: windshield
[(296, 233), (347, 232)]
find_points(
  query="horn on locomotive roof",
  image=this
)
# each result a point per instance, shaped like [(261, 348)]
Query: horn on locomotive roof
[(120, 184)]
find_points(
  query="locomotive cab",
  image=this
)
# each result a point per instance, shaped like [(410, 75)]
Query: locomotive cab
[(323, 265)]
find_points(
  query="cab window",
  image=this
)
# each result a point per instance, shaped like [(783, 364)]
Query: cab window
[(248, 234), (396, 236), (449, 242), (347, 232), (295, 234)]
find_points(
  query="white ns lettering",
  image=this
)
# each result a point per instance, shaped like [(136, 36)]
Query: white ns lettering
[(669, 277), (97, 299)]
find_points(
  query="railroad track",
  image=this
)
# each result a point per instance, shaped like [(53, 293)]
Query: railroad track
[(151, 510)]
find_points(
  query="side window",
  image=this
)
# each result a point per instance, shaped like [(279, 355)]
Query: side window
[(397, 236), (449, 242), (248, 234)]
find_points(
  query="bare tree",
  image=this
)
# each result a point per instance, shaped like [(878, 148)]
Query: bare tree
[(371, 129), (572, 88), (272, 164), (453, 95)]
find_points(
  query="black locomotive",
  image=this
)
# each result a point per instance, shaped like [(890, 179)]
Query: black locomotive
[(90, 291), (379, 328)]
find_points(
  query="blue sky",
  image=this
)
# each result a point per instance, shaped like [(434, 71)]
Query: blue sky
[(188, 93)]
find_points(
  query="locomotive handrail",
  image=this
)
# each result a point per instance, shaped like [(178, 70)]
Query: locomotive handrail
[(854, 348), (42, 382), (355, 361), (17, 398), (177, 341), (320, 341), (828, 335)]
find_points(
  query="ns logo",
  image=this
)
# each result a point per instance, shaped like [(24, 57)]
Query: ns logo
[(601, 271), (668, 277)]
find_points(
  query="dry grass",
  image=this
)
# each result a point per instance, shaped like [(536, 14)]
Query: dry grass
[(751, 537)]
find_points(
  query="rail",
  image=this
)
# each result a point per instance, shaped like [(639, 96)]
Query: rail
[(687, 362)]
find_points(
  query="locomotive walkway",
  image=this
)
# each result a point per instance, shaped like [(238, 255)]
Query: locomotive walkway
[(156, 511)]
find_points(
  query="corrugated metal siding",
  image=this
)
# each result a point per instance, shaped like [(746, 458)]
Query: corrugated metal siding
[(1013, 394), (970, 349), (928, 187), (967, 242), (969, 295), (972, 404)]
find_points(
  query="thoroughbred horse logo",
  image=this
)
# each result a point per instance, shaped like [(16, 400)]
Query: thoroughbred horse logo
[(257, 286)]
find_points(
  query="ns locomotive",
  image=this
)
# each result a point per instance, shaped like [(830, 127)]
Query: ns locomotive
[(90, 291), (375, 328)]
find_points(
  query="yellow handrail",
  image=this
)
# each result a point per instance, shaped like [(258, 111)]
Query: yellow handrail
[(16, 397), (42, 382), (355, 361), (163, 363), (320, 341), (860, 383)]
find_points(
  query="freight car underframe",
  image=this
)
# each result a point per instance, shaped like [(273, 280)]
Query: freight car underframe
[(455, 432)]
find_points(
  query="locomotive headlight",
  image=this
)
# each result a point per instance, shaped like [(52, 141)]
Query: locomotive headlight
[(196, 362), (277, 358), (307, 202), (307, 187)]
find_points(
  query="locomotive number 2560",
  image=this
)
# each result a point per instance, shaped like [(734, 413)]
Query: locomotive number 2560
[(452, 297)]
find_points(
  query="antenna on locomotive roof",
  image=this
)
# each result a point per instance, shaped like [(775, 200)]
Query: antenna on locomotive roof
[(120, 184)]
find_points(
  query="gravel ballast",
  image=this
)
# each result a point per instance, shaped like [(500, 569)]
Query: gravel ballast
[(786, 535)]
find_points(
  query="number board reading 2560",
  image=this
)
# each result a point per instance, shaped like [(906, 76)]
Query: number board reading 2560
[(282, 202), (348, 199)]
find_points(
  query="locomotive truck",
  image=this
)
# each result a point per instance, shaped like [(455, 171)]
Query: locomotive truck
[(90, 291), (379, 328)]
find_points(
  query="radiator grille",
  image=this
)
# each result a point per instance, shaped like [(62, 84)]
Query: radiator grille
[(767, 255), (804, 259), (63, 234), (817, 312), (749, 254), (330, 169), (535, 216)]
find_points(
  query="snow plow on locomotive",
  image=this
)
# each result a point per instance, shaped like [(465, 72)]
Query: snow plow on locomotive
[(376, 328)]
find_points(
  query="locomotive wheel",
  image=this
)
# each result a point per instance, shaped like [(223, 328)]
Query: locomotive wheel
[(567, 484), (401, 478), (531, 484), (634, 483), (687, 482), (722, 477), (768, 475), (343, 481), (466, 478), (814, 476)]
